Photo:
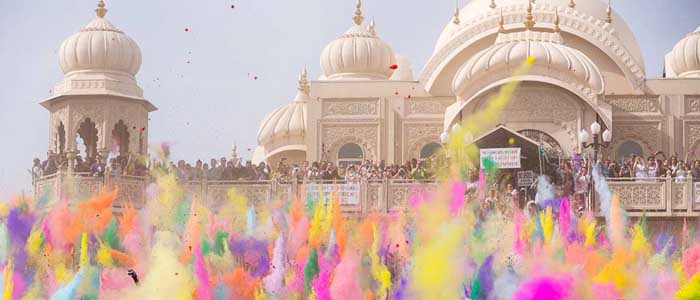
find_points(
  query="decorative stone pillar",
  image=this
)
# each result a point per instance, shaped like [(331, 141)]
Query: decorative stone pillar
[(103, 152), (70, 155)]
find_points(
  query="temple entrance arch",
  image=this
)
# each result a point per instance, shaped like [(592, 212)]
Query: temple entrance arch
[(550, 145), (537, 107)]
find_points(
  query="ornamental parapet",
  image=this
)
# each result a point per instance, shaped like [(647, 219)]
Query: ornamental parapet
[(655, 197)]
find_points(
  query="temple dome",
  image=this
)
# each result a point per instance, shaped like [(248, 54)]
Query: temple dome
[(472, 15), (547, 50), (358, 54), (685, 56), (100, 47), (287, 123)]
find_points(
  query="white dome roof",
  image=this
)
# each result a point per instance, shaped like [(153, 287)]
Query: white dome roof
[(512, 49), (475, 10), (286, 123), (404, 70), (685, 57), (357, 54), (101, 47)]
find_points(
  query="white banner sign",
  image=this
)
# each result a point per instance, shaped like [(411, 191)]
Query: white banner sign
[(525, 178), (696, 195), (348, 194), (505, 158)]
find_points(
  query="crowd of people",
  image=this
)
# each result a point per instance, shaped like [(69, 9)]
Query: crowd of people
[(654, 166), (92, 166), (236, 169), (353, 171)]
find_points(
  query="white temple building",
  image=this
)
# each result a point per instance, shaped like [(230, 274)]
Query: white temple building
[(588, 68), (98, 100), (367, 105)]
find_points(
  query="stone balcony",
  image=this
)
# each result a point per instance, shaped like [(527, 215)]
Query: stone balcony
[(654, 197)]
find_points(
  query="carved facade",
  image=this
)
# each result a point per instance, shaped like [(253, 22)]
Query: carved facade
[(583, 69)]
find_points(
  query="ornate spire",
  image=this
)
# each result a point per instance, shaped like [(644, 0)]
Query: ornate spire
[(101, 11), (501, 22), (529, 19), (493, 4), (572, 4), (455, 19), (304, 86), (608, 19), (358, 18), (372, 28), (556, 20)]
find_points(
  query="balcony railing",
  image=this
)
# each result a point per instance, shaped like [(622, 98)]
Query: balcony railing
[(662, 197)]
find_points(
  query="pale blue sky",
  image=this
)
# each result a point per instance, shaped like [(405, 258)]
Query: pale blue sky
[(208, 104)]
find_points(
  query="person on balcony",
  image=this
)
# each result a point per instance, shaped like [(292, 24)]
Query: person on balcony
[(681, 173), (653, 168), (419, 172), (214, 171), (351, 176), (640, 168), (37, 171), (625, 170)]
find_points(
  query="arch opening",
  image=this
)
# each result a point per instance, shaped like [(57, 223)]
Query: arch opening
[(350, 153), (550, 144), (87, 139), (428, 150), (628, 148), (120, 138)]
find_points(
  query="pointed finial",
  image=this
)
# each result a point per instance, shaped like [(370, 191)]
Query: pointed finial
[(372, 28), (493, 4), (455, 19), (608, 19), (304, 81), (101, 11), (501, 22), (556, 20), (358, 18), (572, 4), (529, 19)]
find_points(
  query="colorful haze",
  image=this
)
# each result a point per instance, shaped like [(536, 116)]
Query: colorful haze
[(441, 247)]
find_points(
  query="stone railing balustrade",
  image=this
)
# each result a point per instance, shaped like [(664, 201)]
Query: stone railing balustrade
[(657, 197)]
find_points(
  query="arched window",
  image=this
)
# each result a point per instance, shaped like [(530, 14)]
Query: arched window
[(87, 132), (350, 153), (120, 137), (627, 148), (551, 146), (429, 150)]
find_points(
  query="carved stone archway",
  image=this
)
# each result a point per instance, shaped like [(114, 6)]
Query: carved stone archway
[(335, 136), (87, 131), (551, 146), (535, 106), (120, 137)]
